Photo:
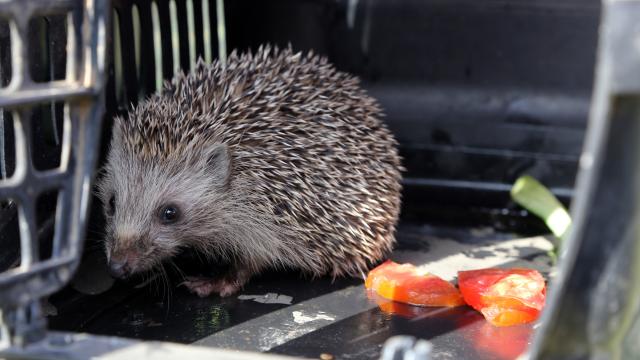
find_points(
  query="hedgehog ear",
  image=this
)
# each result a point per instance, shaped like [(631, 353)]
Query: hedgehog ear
[(218, 163)]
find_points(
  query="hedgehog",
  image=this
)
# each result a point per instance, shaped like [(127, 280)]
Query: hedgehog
[(274, 160)]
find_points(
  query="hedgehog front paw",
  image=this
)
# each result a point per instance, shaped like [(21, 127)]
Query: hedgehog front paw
[(203, 286)]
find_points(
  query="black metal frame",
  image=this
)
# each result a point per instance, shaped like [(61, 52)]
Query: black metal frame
[(594, 304)]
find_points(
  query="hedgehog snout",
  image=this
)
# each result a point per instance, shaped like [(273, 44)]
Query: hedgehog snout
[(119, 269), (124, 260), (126, 263)]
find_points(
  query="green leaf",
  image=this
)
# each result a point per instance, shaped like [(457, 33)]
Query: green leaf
[(536, 198)]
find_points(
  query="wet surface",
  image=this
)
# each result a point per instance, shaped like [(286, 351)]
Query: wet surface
[(155, 313), (285, 313), (456, 333)]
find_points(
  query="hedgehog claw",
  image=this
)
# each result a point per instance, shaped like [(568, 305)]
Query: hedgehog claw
[(203, 286)]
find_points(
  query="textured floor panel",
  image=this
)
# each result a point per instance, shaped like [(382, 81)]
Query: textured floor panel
[(285, 313)]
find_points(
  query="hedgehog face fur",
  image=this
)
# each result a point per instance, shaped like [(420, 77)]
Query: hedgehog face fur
[(153, 211), (274, 160)]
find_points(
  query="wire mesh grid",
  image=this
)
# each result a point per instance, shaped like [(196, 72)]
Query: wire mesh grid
[(22, 287)]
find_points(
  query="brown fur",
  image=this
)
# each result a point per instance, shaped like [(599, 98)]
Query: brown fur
[(277, 159)]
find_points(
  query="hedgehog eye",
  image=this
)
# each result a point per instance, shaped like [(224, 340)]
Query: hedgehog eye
[(111, 205), (169, 214)]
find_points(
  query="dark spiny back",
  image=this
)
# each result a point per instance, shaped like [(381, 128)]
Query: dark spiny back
[(308, 150)]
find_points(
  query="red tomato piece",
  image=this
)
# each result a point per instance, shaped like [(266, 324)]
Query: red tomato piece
[(408, 284), (504, 296)]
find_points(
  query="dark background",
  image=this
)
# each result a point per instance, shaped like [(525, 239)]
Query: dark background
[(477, 92)]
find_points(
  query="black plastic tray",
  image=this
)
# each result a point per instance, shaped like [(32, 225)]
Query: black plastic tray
[(288, 314)]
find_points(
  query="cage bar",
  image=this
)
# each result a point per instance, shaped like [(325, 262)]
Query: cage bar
[(21, 288)]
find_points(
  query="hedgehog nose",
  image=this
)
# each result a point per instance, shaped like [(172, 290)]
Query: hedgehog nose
[(118, 269)]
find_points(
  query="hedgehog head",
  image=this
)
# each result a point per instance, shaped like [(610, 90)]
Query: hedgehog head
[(157, 203)]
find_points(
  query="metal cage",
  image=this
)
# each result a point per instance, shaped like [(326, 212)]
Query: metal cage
[(81, 90)]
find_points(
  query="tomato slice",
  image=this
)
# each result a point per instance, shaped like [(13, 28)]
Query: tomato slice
[(504, 296), (408, 284)]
